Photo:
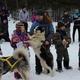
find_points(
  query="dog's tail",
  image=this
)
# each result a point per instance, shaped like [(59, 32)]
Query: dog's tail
[(21, 51)]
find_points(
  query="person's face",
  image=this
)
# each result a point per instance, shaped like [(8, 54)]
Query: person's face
[(24, 9), (62, 28), (4, 21), (39, 17), (3, 8), (22, 29), (66, 13), (77, 12)]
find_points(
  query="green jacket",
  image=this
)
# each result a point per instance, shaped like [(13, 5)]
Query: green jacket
[(57, 41)]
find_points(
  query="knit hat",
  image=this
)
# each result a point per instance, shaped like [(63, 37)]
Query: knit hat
[(61, 24), (65, 11), (3, 6), (19, 25), (40, 12)]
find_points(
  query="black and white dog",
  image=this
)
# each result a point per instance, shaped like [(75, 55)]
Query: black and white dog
[(14, 63), (37, 42)]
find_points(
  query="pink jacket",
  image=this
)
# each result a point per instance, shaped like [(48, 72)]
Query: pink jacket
[(33, 18)]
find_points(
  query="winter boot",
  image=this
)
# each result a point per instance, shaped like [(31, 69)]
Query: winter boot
[(59, 65), (17, 75), (66, 65)]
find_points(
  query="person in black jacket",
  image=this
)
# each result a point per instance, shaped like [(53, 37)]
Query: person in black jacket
[(66, 18), (4, 31), (76, 26), (44, 21), (4, 13), (76, 19)]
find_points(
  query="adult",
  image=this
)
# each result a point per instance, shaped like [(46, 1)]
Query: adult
[(4, 13), (42, 21), (4, 34), (24, 17), (33, 18), (76, 19), (66, 18)]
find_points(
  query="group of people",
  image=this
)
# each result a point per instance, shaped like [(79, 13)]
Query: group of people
[(61, 39)]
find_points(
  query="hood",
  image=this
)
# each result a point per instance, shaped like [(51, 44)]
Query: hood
[(76, 10)]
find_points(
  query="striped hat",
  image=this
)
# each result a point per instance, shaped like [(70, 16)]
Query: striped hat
[(19, 25)]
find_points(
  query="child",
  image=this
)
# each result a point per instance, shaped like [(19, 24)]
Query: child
[(62, 41), (17, 41), (79, 56)]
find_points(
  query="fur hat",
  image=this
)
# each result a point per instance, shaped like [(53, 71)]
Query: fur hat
[(61, 24), (40, 12)]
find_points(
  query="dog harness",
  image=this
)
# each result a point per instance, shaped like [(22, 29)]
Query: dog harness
[(7, 60)]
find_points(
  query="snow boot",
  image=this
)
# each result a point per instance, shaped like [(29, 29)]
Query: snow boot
[(66, 65), (59, 65)]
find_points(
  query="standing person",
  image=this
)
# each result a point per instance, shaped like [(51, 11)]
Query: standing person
[(76, 19), (1, 51), (66, 18), (4, 33), (24, 17), (17, 41), (33, 18), (79, 56), (42, 21), (62, 40), (4, 14)]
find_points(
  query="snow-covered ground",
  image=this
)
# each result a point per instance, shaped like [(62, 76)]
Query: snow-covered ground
[(73, 74)]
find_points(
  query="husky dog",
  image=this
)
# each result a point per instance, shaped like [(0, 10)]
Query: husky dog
[(13, 63), (36, 41)]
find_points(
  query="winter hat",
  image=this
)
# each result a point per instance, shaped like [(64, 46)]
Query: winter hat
[(3, 6), (15, 37), (76, 10), (19, 25), (65, 11), (61, 24), (40, 12)]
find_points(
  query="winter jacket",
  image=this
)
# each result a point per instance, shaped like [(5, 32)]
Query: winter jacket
[(6, 13), (4, 28), (33, 18), (23, 16), (19, 38), (49, 29), (65, 19), (57, 40), (77, 22)]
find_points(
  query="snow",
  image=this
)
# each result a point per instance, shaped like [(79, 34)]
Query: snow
[(73, 74)]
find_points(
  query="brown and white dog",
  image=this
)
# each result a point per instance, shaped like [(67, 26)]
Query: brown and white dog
[(36, 41)]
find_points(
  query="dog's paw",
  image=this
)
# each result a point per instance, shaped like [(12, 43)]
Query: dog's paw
[(52, 75)]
